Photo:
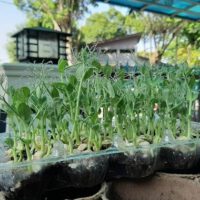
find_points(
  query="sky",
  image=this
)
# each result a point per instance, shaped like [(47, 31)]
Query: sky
[(11, 17)]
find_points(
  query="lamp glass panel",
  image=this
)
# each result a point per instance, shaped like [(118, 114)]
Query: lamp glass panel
[(48, 45)]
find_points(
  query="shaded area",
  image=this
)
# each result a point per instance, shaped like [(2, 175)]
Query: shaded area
[(2, 121)]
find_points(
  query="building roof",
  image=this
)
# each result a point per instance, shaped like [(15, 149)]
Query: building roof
[(118, 39), (186, 9), (40, 29)]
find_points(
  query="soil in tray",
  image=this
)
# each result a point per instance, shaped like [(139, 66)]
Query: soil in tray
[(197, 166), (88, 172), (36, 191), (179, 158), (140, 164), (83, 173), (33, 186), (30, 189), (70, 193)]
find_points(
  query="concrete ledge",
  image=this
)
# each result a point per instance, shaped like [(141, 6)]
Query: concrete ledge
[(159, 187), (24, 74), (27, 69)]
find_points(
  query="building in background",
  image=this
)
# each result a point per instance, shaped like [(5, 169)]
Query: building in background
[(120, 52)]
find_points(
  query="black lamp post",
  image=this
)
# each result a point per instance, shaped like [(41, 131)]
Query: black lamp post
[(40, 45)]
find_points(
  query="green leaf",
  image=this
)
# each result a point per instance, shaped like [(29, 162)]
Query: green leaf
[(24, 112), (88, 74), (9, 142), (70, 88), (63, 87), (26, 141), (38, 92), (121, 74), (107, 70), (79, 72), (110, 90), (20, 95), (72, 80), (11, 91), (96, 64), (192, 83), (59, 85), (54, 93), (25, 91), (62, 64)]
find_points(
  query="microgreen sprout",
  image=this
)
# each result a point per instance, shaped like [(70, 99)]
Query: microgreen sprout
[(89, 104)]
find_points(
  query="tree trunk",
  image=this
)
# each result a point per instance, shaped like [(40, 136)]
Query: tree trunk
[(154, 58), (69, 49)]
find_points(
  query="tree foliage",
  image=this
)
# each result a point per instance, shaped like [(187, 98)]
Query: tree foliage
[(191, 34), (106, 25), (186, 47), (62, 15), (180, 52), (188, 55), (11, 49), (59, 15), (159, 30)]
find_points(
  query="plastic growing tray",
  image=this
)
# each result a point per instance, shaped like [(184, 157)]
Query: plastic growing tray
[(87, 170)]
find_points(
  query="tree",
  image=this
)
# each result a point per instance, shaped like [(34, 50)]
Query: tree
[(159, 30), (105, 25), (186, 47), (191, 34), (10, 46), (60, 15), (183, 54), (182, 51), (188, 55)]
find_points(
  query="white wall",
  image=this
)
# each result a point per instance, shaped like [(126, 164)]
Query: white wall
[(118, 58), (121, 59), (21, 74)]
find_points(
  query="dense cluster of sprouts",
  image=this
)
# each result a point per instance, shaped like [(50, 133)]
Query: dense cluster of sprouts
[(90, 104)]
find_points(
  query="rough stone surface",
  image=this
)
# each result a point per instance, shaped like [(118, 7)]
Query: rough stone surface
[(159, 187), (2, 196)]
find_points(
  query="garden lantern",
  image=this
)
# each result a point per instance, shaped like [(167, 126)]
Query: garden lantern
[(40, 45)]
